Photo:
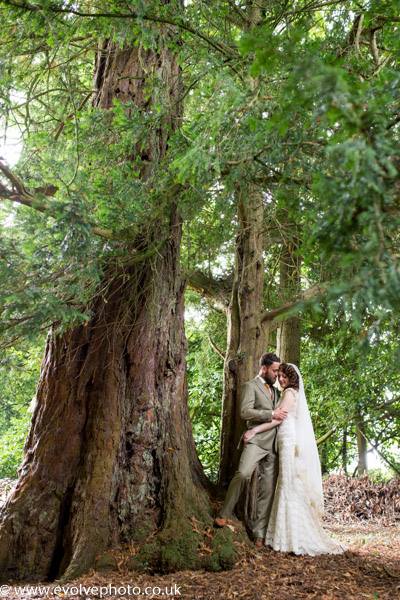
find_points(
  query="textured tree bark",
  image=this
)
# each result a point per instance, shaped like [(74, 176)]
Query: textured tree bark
[(344, 452), (110, 455), (362, 448), (246, 335), (288, 341), (289, 330)]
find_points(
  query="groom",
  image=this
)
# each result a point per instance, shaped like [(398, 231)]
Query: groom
[(258, 402)]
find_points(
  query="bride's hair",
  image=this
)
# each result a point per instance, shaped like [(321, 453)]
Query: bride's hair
[(291, 374)]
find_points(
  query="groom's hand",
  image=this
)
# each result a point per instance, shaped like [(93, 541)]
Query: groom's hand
[(280, 414)]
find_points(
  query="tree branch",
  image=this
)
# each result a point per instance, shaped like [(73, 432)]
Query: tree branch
[(27, 6), (71, 116), (376, 448), (374, 47), (18, 193), (217, 290), (326, 435), (358, 32), (308, 295), (216, 349)]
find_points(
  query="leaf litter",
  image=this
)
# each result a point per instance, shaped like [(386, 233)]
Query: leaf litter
[(361, 514)]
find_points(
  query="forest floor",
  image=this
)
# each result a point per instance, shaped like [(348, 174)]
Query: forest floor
[(370, 568)]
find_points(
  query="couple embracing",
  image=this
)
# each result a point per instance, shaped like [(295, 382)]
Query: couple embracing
[(280, 433)]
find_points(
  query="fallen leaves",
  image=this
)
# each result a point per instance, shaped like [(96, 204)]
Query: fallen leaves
[(370, 569), (350, 499), (262, 574)]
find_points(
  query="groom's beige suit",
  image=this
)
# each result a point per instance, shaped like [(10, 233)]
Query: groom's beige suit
[(257, 403)]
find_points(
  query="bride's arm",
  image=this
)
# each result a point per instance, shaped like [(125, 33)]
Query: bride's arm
[(250, 433), (286, 402)]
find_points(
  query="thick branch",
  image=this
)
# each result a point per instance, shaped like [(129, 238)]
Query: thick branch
[(374, 47), (358, 33), (311, 294), (217, 290), (326, 435)]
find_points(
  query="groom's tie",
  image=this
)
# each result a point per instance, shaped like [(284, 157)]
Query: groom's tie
[(274, 396), (269, 392)]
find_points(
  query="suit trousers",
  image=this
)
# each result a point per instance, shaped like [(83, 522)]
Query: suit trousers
[(251, 455)]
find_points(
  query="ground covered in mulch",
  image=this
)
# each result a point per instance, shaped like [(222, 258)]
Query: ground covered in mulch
[(369, 569), (351, 500)]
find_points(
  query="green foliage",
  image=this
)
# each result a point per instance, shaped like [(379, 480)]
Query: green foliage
[(19, 370), (380, 475), (345, 377), (92, 159), (12, 443), (298, 99), (204, 368), (334, 125)]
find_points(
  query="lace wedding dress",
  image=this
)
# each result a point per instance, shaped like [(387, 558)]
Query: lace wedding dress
[(295, 524)]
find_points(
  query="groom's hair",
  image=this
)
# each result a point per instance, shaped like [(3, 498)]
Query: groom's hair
[(268, 358)]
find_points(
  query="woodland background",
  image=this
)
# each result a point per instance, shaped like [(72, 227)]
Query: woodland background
[(242, 153)]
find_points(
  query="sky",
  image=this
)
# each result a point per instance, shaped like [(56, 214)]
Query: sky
[(10, 151), (11, 147)]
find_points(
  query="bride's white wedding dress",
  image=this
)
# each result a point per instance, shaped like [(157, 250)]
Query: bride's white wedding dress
[(295, 524)]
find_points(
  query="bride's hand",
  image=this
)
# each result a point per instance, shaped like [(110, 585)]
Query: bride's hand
[(248, 435)]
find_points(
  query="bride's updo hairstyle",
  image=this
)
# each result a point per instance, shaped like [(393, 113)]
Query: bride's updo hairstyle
[(291, 374)]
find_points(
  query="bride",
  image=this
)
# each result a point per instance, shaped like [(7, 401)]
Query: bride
[(295, 521)]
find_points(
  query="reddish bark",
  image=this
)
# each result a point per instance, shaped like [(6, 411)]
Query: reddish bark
[(110, 454), (246, 334)]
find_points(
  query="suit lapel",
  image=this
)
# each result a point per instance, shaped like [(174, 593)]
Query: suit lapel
[(261, 387)]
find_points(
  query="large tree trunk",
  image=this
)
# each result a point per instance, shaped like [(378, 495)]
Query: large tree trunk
[(110, 455), (289, 332), (246, 335), (288, 341)]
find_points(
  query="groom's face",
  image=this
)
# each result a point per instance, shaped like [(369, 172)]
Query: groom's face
[(270, 372)]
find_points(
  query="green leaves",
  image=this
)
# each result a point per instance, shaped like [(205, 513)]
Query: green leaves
[(19, 372), (344, 374), (204, 369)]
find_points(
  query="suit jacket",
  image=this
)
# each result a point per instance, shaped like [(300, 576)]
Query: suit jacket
[(256, 407)]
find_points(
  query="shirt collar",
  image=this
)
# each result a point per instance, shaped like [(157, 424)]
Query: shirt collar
[(265, 383)]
